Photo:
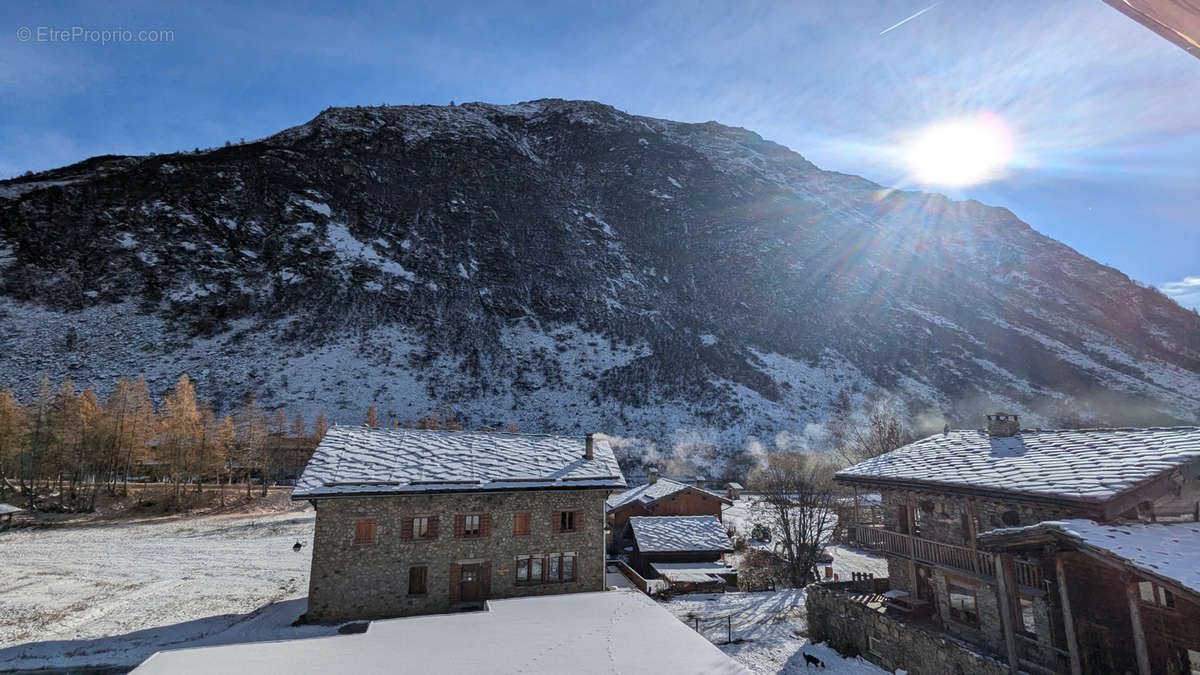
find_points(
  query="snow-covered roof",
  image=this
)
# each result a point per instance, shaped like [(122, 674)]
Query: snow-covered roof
[(665, 534), (7, 509), (735, 486), (1093, 464), (587, 633), (692, 572), (1170, 550), (362, 460), (652, 492)]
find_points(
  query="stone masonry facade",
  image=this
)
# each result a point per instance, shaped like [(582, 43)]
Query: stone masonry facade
[(837, 616), (352, 580)]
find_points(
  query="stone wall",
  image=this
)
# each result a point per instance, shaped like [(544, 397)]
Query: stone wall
[(855, 629), (367, 581)]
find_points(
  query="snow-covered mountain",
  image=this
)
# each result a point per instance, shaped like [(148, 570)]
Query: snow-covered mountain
[(567, 267)]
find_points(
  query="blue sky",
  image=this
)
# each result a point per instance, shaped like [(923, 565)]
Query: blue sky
[(1105, 114)]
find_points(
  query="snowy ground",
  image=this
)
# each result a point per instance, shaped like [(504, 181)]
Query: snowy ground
[(115, 594), (768, 629)]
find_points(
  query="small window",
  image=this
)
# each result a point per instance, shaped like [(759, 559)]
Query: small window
[(926, 506), (568, 567), (1153, 594), (471, 525), (1010, 518), (962, 604), (566, 521), (417, 577), (1027, 620), (421, 527), (554, 568), (468, 574), (364, 531), (521, 524)]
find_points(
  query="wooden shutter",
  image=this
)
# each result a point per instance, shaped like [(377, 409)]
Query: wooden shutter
[(579, 521), (406, 529), (555, 521), (364, 531), (460, 526), (485, 580), (455, 581), (433, 527), (485, 525)]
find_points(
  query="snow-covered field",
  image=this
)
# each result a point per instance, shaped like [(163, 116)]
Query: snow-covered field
[(115, 594)]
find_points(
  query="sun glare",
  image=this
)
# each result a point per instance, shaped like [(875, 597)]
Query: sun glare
[(960, 152)]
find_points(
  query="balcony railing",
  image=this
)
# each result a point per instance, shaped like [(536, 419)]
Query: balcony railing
[(938, 553)]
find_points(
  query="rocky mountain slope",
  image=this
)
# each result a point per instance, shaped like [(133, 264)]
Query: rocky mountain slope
[(567, 267)]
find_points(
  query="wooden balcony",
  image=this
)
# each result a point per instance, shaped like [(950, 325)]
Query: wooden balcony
[(938, 553)]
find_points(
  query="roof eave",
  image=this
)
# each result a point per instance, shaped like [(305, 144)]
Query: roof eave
[(1090, 504), (407, 493)]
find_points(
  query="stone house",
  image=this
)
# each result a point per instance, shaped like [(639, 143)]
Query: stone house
[(684, 550), (944, 498), (659, 497), (418, 522)]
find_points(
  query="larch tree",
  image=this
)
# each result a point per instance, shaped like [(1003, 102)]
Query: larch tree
[(252, 430), (181, 430), (299, 428), (320, 426), (372, 419), (14, 432), (224, 448), (34, 462)]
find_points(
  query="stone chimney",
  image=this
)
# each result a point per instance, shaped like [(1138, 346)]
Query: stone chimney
[(652, 476), (700, 482), (588, 449), (1003, 424)]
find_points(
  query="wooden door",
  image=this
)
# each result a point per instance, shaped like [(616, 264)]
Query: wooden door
[(468, 585)]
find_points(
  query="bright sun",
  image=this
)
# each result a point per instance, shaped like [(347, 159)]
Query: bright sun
[(960, 152)]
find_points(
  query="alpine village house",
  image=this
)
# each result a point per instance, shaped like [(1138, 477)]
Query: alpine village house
[(1061, 551), (418, 522)]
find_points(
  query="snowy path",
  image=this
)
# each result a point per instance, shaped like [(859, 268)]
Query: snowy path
[(114, 594)]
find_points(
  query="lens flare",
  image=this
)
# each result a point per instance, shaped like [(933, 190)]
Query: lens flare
[(960, 152)]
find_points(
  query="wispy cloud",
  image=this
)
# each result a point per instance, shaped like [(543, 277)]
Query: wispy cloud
[(1186, 291)]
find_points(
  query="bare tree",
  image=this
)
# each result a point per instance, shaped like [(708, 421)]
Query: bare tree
[(879, 428), (797, 498)]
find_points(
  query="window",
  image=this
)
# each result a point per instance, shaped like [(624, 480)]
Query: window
[(421, 527), (417, 577), (568, 567), (364, 531), (545, 569), (874, 644), (473, 525), (1010, 518), (1027, 620), (565, 521), (521, 524), (1153, 594), (468, 574), (962, 604)]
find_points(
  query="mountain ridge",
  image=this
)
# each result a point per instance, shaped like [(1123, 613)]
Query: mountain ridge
[(568, 267)]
